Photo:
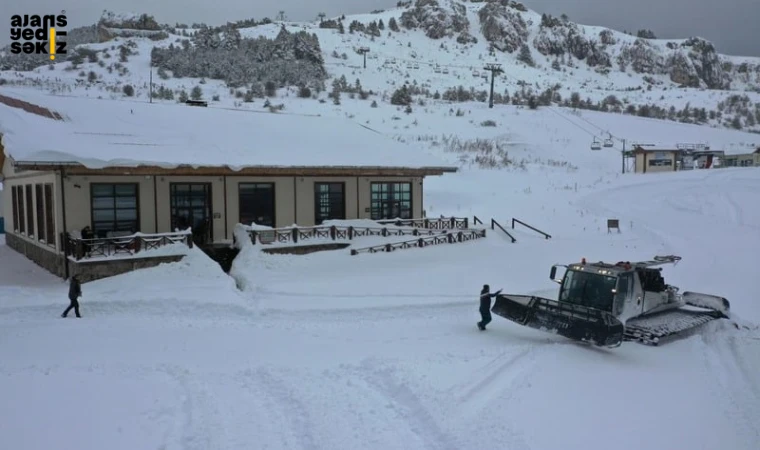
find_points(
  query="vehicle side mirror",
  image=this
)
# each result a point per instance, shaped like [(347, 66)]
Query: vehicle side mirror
[(553, 273)]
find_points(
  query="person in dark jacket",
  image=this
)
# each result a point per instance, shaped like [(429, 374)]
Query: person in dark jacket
[(75, 291), (485, 306)]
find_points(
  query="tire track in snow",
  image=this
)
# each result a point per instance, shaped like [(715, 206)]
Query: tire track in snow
[(736, 382), (199, 424), (407, 405), (504, 375), (498, 376), (292, 408)]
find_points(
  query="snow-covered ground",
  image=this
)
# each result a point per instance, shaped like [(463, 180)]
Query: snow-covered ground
[(381, 351), (397, 58)]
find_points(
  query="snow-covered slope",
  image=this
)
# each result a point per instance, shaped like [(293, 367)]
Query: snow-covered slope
[(434, 47), (378, 351)]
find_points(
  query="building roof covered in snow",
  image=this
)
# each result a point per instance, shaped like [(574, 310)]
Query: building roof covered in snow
[(41, 130)]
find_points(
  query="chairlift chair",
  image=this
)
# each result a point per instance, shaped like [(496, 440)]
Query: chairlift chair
[(608, 143), (596, 145)]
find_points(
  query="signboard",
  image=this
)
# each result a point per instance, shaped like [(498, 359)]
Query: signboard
[(266, 236), (217, 215)]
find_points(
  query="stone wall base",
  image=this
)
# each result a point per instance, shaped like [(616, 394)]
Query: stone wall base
[(46, 258)]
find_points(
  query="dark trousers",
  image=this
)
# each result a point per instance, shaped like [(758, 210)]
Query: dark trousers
[(485, 316), (75, 305)]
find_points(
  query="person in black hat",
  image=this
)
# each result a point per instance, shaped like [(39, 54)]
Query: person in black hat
[(75, 291), (485, 306)]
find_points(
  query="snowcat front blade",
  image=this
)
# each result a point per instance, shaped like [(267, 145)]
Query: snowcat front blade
[(707, 301), (650, 329), (572, 321)]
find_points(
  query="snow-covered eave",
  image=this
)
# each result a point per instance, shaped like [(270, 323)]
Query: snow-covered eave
[(77, 168)]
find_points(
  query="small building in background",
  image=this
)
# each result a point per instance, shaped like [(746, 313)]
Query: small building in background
[(743, 159), (656, 160)]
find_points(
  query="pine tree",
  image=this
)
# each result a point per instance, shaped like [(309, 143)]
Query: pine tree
[(196, 93), (392, 25), (525, 55)]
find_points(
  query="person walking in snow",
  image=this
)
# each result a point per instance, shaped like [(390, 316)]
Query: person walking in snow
[(485, 306), (75, 291)]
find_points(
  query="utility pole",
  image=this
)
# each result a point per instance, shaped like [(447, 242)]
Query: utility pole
[(494, 69), (151, 82), (363, 51), (623, 155)]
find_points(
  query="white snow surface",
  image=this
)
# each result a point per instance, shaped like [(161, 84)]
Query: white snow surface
[(378, 351), (98, 133)]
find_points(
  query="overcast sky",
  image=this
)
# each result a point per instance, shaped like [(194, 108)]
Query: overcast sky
[(731, 24)]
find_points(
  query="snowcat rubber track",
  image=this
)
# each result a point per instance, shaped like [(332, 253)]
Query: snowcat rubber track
[(572, 321), (649, 330)]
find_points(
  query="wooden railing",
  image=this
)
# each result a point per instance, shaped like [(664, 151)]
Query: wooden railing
[(123, 245), (442, 223), (448, 237), (332, 232), (546, 235), (495, 224)]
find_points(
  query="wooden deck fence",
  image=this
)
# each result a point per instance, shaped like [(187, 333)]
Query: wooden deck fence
[(124, 245), (333, 233), (449, 237)]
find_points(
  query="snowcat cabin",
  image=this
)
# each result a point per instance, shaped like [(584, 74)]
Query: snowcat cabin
[(594, 286)]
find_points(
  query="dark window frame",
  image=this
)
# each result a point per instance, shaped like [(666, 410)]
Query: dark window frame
[(114, 208), (50, 236), (20, 206), (40, 209), (14, 200), (29, 210), (200, 236), (660, 163), (331, 201), (387, 193), (271, 186)]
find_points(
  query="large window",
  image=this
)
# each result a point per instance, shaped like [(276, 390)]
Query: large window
[(29, 211), (114, 208), (50, 235), (40, 212), (256, 204), (391, 201), (43, 194), (329, 202), (14, 200), (191, 208)]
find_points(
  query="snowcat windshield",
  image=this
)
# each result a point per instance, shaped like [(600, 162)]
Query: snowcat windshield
[(588, 289)]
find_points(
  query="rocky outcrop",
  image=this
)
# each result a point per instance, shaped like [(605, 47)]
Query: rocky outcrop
[(642, 57), (435, 20), (706, 62), (503, 26), (556, 38)]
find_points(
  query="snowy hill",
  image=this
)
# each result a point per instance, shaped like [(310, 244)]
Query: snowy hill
[(438, 49), (380, 351), (386, 345)]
